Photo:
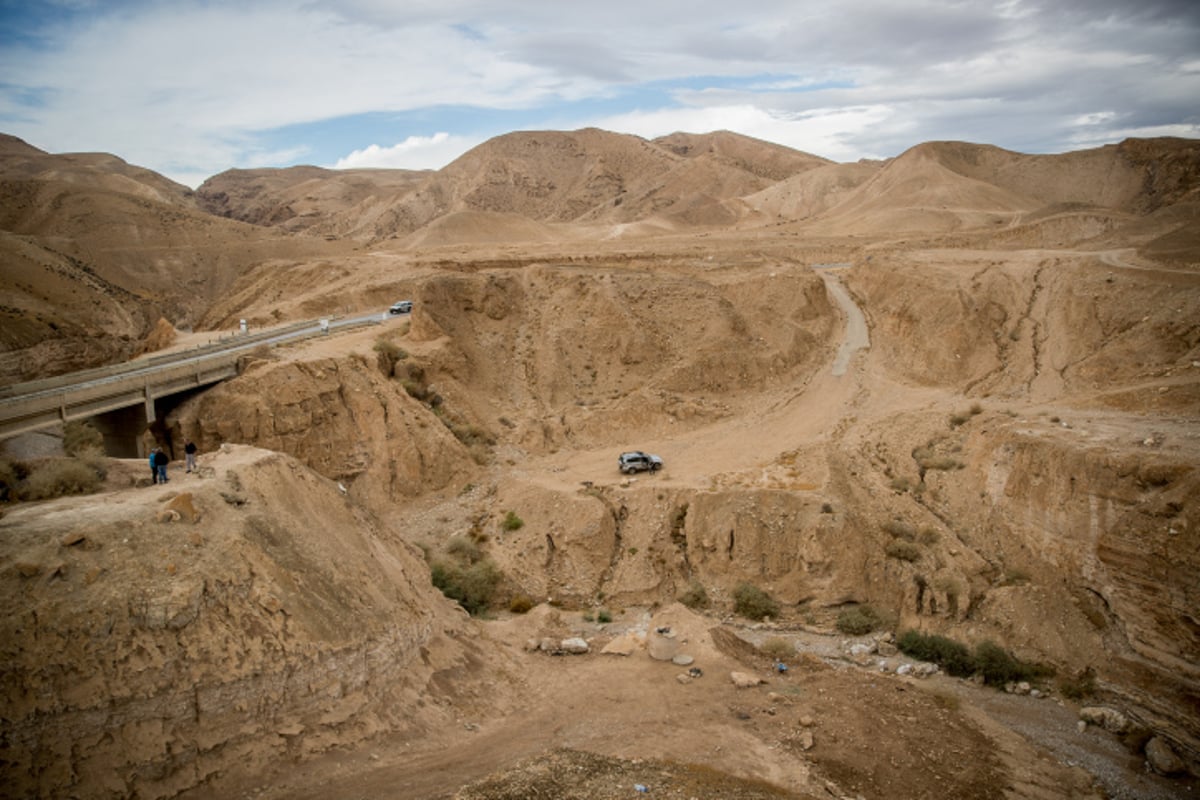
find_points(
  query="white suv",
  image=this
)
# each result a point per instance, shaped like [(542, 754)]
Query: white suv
[(637, 461)]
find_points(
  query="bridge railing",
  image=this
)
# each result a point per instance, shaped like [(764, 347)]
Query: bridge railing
[(229, 341), (37, 404)]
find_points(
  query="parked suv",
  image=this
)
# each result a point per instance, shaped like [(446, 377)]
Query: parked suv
[(637, 461), (402, 307)]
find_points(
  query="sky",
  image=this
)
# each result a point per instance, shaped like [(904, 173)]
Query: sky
[(190, 88)]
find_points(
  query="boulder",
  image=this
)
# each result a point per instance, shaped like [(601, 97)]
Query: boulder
[(1162, 759), (743, 680), (1108, 718), (621, 646), (574, 646)]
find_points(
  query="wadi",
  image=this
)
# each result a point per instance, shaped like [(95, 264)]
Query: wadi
[(925, 522)]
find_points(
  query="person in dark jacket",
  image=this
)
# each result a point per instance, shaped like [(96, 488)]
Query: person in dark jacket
[(189, 451), (160, 464)]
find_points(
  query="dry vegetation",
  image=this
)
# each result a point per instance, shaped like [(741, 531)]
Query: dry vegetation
[(1002, 480)]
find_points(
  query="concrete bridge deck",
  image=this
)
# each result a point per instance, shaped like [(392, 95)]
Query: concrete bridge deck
[(113, 395)]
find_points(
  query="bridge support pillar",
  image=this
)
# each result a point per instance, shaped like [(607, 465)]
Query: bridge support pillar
[(123, 431)]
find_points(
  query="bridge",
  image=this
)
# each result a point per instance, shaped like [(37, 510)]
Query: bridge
[(123, 400)]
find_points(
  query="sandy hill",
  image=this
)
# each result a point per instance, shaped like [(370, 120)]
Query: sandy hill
[(589, 176), (766, 160), (96, 251), (297, 198)]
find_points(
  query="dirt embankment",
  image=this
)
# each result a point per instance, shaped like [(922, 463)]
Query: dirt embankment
[(165, 635), (824, 490)]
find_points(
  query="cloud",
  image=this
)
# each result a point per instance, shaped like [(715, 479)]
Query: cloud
[(199, 86), (415, 152)]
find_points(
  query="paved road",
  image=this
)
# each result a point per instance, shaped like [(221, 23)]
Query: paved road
[(42, 403)]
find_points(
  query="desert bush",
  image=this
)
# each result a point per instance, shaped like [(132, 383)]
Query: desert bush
[(387, 355), (900, 529), (778, 648), (1078, 686), (520, 604), (695, 597), (80, 438), (465, 549), (998, 666), (957, 419), (472, 586), (1014, 576), (604, 615), (417, 390), (902, 550), (753, 603), (928, 460), (512, 522), (901, 484), (928, 536), (948, 654), (975, 409), (859, 620), (60, 477), (826, 508)]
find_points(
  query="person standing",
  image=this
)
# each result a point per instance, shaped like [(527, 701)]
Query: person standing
[(189, 452), (153, 465), (160, 464)]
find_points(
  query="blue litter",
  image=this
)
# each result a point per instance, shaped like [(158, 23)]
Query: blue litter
[(641, 788), (781, 667)]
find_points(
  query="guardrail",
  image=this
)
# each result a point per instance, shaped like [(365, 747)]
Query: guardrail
[(236, 340), (77, 395)]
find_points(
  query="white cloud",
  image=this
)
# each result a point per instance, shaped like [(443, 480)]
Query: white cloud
[(197, 86), (415, 152)]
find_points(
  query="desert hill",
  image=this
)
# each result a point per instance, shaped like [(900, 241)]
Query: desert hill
[(297, 198), (96, 251), (956, 392)]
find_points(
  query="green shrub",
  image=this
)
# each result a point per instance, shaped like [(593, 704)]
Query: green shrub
[(753, 603), (948, 654), (1078, 686), (900, 529), (999, 667), (901, 484), (957, 419), (604, 615), (902, 550), (59, 477), (80, 438), (928, 536), (859, 620), (465, 549), (695, 597), (778, 648), (472, 586), (520, 604), (512, 522), (416, 389), (387, 355)]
